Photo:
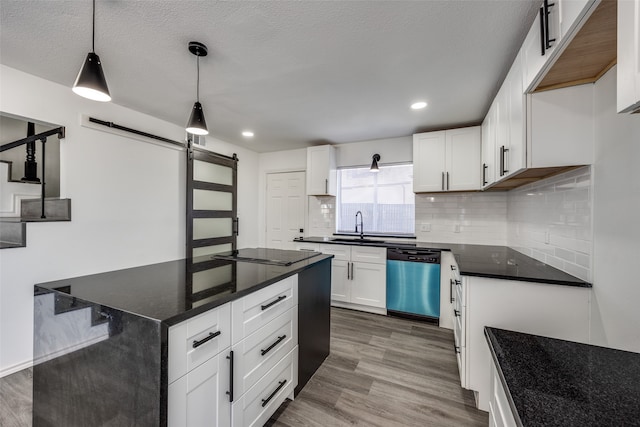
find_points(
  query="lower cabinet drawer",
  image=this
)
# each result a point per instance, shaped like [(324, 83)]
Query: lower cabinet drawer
[(196, 340), (252, 312), (257, 405), (260, 351)]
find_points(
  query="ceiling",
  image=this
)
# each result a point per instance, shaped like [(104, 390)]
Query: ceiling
[(297, 73)]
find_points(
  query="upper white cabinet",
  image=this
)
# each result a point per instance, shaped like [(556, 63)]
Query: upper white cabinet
[(628, 55), (489, 146), (541, 41), (447, 160), (560, 127), (321, 171)]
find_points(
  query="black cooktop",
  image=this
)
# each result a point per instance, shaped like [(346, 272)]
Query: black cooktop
[(266, 256)]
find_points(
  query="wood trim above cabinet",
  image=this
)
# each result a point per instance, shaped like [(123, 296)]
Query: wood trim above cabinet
[(591, 53)]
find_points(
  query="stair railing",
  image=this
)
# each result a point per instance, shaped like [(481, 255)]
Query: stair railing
[(31, 139)]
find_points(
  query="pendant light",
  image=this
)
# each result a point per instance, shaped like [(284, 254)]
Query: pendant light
[(197, 124), (90, 82), (374, 163)]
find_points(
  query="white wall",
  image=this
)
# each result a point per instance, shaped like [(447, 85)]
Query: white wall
[(128, 202), (391, 150), (615, 317)]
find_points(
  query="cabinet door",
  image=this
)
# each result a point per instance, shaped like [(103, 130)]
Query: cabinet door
[(429, 162), (340, 283), (628, 72), (321, 171), (199, 398), (489, 147), (368, 284), (516, 156), (502, 131), (535, 48), (463, 159)]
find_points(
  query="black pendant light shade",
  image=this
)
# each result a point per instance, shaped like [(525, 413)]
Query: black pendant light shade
[(197, 125), (374, 163), (91, 82)]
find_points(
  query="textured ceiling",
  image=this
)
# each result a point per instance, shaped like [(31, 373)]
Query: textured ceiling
[(294, 72)]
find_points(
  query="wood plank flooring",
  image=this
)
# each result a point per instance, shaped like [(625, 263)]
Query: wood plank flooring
[(382, 371)]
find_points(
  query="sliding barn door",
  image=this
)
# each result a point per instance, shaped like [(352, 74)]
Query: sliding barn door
[(212, 222)]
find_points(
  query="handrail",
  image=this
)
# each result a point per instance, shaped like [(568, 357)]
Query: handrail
[(8, 146), (43, 139)]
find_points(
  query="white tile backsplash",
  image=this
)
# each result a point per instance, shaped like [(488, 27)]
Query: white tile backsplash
[(322, 216), (550, 220), (472, 218)]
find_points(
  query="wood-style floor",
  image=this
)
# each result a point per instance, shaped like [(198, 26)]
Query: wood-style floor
[(382, 371)]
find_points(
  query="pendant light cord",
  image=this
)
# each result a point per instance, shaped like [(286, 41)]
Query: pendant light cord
[(197, 80), (93, 29)]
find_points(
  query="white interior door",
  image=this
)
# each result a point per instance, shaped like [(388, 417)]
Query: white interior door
[(286, 195)]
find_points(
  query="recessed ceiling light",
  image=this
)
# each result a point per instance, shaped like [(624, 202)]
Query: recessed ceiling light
[(418, 105), (247, 133)]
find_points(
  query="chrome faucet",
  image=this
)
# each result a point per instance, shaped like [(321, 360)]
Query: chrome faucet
[(361, 225)]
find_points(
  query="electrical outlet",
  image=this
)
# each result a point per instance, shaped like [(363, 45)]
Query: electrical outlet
[(425, 227)]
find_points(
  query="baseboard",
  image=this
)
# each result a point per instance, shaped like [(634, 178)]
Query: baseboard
[(15, 368), (359, 307)]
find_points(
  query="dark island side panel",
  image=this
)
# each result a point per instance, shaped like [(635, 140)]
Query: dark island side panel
[(94, 365), (314, 320)]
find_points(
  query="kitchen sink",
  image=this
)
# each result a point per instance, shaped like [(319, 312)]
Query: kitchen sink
[(356, 240)]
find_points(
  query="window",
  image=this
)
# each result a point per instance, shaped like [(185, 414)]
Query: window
[(385, 199)]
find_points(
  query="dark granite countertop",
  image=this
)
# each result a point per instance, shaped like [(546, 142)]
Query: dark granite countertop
[(551, 382), (499, 262), (173, 291)]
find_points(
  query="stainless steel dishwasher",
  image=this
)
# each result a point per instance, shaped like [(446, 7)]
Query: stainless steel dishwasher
[(413, 283)]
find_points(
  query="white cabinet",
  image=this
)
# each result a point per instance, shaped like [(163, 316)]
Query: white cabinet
[(509, 124), (321, 171), (571, 12), (225, 365), (500, 414), (447, 160), (561, 127), (199, 370), (628, 72), (535, 308), (541, 43), (358, 277), (199, 399), (489, 146), (265, 351), (449, 274)]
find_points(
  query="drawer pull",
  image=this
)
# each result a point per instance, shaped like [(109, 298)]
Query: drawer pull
[(230, 392), (451, 299), (453, 268), (456, 349), (211, 336), (456, 313), (458, 282), (280, 385), (268, 349), (280, 298)]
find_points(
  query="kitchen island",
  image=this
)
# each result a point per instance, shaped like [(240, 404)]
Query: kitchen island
[(540, 381), (103, 347)]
